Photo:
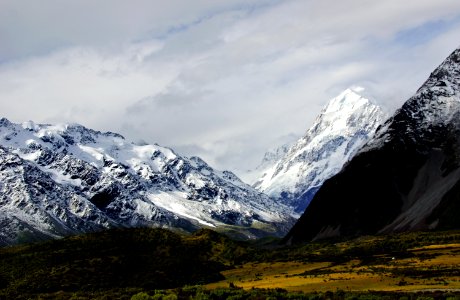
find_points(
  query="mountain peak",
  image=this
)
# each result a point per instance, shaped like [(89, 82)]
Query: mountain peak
[(435, 104), (438, 100), (350, 99), (348, 112), (4, 122), (343, 126)]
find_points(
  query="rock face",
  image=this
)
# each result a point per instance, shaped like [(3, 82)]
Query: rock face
[(57, 180), (406, 178), (344, 125)]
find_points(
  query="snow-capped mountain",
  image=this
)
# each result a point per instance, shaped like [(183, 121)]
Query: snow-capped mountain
[(63, 179), (406, 178), (344, 125), (270, 159)]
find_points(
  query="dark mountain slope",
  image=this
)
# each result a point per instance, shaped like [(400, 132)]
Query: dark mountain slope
[(406, 178)]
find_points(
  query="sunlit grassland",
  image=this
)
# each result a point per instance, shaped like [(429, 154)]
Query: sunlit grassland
[(430, 267)]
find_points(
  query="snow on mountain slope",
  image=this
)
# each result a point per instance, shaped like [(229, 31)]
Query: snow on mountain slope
[(270, 159), (344, 125), (435, 104), (64, 179), (406, 178)]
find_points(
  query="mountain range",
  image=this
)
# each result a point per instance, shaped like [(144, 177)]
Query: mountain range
[(57, 180), (351, 174), (406, 178)]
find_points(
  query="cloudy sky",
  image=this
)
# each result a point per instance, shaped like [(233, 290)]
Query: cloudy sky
[(225, 80)]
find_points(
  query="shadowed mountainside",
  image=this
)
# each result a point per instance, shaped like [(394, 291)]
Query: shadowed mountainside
[(406, 178)]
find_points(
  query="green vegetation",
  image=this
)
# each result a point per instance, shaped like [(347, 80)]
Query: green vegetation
[(122, 259), (159, 264), (200, 293)]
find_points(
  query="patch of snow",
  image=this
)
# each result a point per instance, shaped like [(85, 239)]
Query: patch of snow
[(93, 155), (176, 203), (30, 125), (144, 209), (32, 156), (205, 172), (63, 179)]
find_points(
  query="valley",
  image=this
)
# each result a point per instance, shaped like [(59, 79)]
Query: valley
[(129, 263), (132, 141)]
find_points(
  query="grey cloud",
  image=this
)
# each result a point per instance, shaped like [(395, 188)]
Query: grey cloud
[(31, 27), (225, 80)]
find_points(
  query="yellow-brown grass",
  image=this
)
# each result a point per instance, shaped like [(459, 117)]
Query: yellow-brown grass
[(432, 267)]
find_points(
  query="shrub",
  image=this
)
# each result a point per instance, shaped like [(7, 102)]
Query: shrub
[(170, 297), (141, 296)]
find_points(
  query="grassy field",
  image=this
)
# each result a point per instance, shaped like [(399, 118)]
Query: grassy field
[(159, 264), (429, 267)]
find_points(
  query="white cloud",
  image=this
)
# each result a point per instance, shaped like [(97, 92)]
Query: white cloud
[(222, 79), (80, 84)]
